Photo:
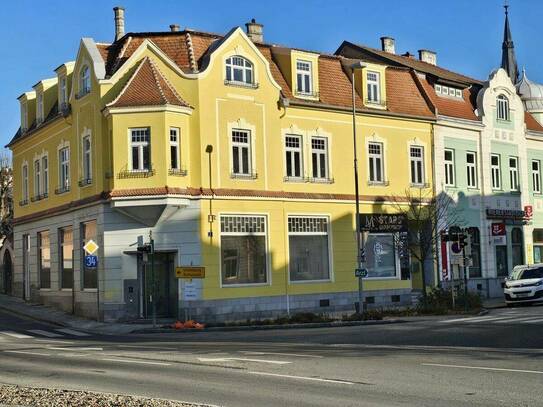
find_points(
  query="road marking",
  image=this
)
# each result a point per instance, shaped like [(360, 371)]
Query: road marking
[(533, 321), (137, 361), (27, 353), (44, 333), (72, 332), (512, 320), (74, 349), (300, 355), (274, 362), (449, 321), (286, 376), (497, 369), (55, 341), (16, 335)]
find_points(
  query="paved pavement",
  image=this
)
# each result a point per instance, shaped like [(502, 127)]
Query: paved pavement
[(448, 361)]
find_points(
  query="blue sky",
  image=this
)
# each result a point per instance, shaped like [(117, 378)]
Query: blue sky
[(466, 34)]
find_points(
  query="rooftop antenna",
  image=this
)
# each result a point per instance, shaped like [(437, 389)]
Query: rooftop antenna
[(506, 6)]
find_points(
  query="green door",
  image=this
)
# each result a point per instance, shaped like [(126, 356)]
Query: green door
[(165, 293), (502, 269)]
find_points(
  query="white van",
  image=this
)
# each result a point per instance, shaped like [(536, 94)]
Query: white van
[(524, 285)]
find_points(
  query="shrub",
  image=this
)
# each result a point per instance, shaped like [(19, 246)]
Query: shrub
[(439, 301)]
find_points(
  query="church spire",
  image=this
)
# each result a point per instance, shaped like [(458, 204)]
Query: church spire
[(509, 62)]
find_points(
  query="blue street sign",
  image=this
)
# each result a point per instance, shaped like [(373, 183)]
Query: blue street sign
[(361, 272), (91, 261)]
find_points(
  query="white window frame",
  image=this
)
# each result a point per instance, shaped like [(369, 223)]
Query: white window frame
[(64, 168), (24, 117), (372, 162), (140, 146), (496, 172), (318, 153), (290, 153), (247, 70), (536, 177), (502, 108), (45, 173), (24, 175), (419, 169), (87, 159), (241, 145), (39, 108), (514, 174), (304, 75), (84, 81), (174, 143), (63, 92), (449, 168), (373, 87), (471, 170), (37, 177)]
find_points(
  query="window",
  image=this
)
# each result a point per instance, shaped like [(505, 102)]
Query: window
[(241, 152), (84, 81), (373, 87), (496, 172), (64, 161), (44, 259), (88, 232), (293, 151), (24, 117), (536, 176), (174, 149), (140, 149), (448, 91), (308, 248), (475, 269), (39, 113), (516, 246), (375, 157), (66, 258), (319, 157), (416, 158), (303, 77), (25, 184), (243, 249), (239, 70), (471, 168), (449, 168), (502, 108), (513, 173), (381, 255), (45, 171), (37, 178), (87, 160)]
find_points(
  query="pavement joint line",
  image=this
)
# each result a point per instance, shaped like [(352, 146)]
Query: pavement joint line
[(16, 335), (497, 369), (75, 349), (71, 332), (227, 359), (286, 376), (135, 361), (24, 352), (436, 348), (534, 321), (55, 341), (44, 333), (299, 355)]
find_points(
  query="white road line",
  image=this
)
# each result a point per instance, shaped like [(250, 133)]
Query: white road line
[(16, 335), (299, 355), (137, 361), (286, 376), (533, 321), (513, 320), (497, 369), (449, 321), (71, 332), (482, 319), (54, 341), (74, 349), (44, 333), (273, 362), (27, 353)]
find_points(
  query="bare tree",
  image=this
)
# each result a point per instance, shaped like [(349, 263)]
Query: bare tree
[(427, 215), (6, 194)]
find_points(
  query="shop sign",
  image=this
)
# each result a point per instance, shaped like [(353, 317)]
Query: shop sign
[(505, 214), (190, 272), (498, 233), (383, 223)]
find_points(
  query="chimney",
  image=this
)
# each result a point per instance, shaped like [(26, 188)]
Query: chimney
[(119, 22), (428, 56), (388, 44), (254, 31), (174, 27)]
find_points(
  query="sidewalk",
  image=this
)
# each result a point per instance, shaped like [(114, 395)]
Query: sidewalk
[(493, 303), (53, 316)]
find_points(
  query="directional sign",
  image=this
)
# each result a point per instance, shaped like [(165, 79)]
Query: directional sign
[(90, 247), (361, 272), (91, 261), (190, 272)]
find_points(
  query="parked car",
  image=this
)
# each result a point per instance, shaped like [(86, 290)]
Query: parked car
[(524, 285)]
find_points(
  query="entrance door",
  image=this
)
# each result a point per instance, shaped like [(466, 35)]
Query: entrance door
[(26, 267), (7, 273), (166, 287), (502, 269)]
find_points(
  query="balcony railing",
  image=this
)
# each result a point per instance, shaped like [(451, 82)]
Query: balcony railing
[(83, 182), (39, 197), (177, 172), (252, 85), (144, 173), (23, 202), (62, 189)]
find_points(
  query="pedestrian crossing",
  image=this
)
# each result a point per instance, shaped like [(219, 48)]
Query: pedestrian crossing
[(502, 319), (40, 333)]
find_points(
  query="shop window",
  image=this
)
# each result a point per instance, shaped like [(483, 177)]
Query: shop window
[(88, 232), (44, 259), (475, 237), (538, 245), (517, 246), (308, 248), (381, 256), (243, 250), (66, 251)]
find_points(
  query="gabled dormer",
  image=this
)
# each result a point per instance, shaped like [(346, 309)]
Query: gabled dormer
[(370, 83), (300, 69), (64, 80), (46, 98), (28, 110)]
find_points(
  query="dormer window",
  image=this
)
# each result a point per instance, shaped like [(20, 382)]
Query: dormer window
[(303, 78), (442, 90), (239, 71), (39, 107), (373, 88), (63, 93), (24, 117), (84, 81), (502, 108)]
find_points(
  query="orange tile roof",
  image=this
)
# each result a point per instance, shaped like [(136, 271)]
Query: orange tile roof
[(532, 123)]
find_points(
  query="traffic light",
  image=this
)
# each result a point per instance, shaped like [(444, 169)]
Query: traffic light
[(462, 241)]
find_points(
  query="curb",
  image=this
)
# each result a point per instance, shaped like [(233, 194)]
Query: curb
[(333, 324), (35, 318)]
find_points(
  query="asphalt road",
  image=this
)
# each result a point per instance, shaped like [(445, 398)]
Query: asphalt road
[(478, 361)]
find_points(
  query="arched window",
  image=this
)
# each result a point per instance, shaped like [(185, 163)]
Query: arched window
[(516, 246), (475, 269), (240, 70), (84, 81), (502, 107)]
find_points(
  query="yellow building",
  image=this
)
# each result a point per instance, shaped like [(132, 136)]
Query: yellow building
[(232, 154)]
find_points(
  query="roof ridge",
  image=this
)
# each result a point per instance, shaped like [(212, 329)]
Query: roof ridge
[(155, 75), (168, 83), (121, 54), (128, 83), (192, 60)]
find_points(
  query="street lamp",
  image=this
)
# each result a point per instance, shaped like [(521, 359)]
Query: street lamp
[(353, 67)]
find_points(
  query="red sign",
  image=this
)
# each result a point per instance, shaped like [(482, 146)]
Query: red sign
[(528, 211), (498, 229), (444, 262)]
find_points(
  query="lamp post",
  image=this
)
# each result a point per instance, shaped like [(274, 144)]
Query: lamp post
[(357, 65)]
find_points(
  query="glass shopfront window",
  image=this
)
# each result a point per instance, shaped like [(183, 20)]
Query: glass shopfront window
[(517, 246), (538, 245), (381, 255)]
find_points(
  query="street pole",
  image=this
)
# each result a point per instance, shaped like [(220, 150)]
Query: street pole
[(153, 283), (465, 276)]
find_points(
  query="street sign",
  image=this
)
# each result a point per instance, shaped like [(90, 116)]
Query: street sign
[(190, 272), (90, 247), (499, 236), (91, 261), (361, 272), (191, 291)]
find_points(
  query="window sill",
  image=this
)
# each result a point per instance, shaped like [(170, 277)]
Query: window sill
[(66, 289), (310, 282), (247, 177), (177, 172), (321, 180), (81, 95), (241, 285), (24, 202), (295, 180), (45, 289), (420, 186), (62, 190), (89, 290), (39, 197), (241, 84), (307, 95), (85, 182), (376, 104), (504, 121), (378, 183), (515, 192), (473, 188)]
